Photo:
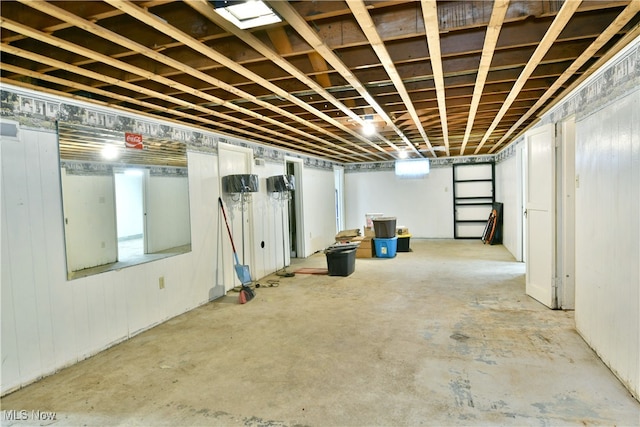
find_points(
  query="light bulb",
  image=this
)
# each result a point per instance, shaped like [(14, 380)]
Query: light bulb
[(110, 152), (368, 128)]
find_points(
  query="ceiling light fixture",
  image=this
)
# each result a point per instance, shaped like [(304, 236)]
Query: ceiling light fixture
[(403, 154), (246, 14), (368, 127), (110, 152)]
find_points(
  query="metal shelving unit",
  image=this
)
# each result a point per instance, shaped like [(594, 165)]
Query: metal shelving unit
[(473, 198)]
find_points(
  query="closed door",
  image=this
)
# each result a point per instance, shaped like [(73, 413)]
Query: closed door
[(540, 197), (234, 160)]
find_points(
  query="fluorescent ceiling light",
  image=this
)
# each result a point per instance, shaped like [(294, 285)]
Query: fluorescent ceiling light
[(415, 168), (247, 14)]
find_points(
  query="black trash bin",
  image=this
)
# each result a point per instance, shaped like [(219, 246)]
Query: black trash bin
[(341, 262)]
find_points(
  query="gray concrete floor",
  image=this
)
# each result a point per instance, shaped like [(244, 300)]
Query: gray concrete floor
[(443, 335)]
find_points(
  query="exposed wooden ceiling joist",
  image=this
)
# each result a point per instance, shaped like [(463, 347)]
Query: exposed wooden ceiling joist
[(430, 14), (563, 17), (490, 41), (466, 76), (368, 27), (152, 20), (299, 24), (629, 12)]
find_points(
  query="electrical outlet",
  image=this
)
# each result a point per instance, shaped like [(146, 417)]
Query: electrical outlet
[(161, 282)]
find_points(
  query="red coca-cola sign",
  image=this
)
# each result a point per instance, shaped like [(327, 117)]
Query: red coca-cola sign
[(133, 140)]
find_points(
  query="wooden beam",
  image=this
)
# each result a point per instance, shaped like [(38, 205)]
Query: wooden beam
[(623, 18), (204, 8), (367, 25), (94, 18), (491, 39), (260, 134), (430, 16), (282, 44), (175, 33), (297, 22), (14, 26), (113, 37), (565, 14), (319, 64)]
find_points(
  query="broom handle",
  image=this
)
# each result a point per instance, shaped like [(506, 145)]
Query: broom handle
[(227, 224)]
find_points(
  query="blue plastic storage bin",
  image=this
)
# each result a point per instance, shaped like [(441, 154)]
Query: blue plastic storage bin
[(386, 248)]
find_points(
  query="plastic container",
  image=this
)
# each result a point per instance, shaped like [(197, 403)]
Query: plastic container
[(403, 243), (384, 227), (386, 248), (401, 229), (341, 262), (370, 216)]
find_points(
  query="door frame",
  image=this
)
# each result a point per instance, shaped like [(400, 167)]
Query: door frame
[(229, 276), (566, 215), (521, 159), (540, 200), (298, 167), (338, 174)]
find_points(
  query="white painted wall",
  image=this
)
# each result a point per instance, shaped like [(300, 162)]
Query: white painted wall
[(268, 242), (49, 322), (607, 213), (607, 233), (509, 193), (425, 205), (318, 205)]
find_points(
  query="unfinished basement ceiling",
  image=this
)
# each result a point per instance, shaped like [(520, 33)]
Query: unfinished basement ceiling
[(437, 78)]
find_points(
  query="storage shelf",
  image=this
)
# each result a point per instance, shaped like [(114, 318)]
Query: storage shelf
[(475, 204), (474, 180), (473, 196)]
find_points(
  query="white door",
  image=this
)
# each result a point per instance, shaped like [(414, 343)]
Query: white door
[(234, 160), (540, 211), (89, 206)]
